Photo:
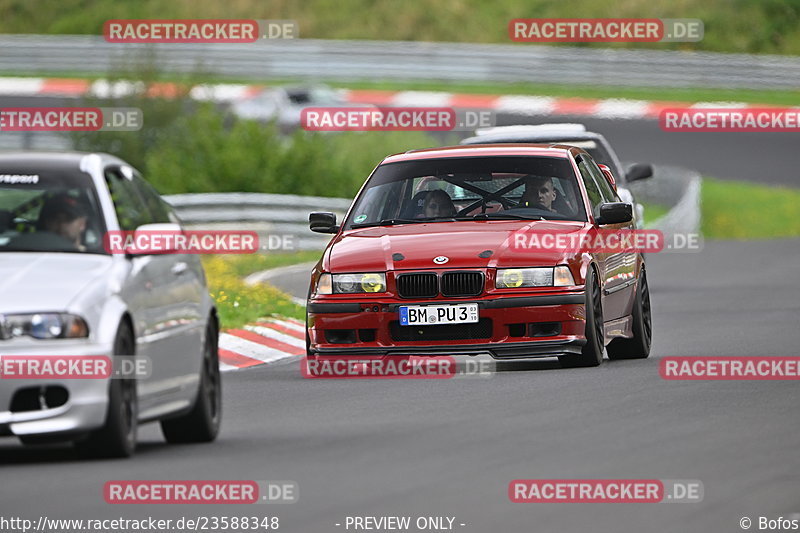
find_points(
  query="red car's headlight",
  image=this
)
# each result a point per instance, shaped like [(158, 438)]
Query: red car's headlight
[(362, 283), (516, 278)]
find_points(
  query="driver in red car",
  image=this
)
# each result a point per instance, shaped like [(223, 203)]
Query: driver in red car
[(539, 192)]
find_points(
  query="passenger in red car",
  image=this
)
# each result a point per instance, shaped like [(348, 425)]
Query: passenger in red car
[(439, 204)]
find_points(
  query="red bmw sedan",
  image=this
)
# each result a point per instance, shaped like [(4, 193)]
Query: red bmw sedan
[(481, 249)]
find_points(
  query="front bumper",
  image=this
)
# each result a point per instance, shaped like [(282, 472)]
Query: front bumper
[(510, 331), (87, 399)]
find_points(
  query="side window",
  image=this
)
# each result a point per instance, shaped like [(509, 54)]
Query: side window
[(605, 188), (159, 210), (131, 210), (595, 197)]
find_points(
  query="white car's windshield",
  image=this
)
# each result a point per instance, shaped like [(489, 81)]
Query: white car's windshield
[(470, 188), (49, 212)]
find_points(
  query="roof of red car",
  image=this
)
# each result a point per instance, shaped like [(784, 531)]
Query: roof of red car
[(475, 150)]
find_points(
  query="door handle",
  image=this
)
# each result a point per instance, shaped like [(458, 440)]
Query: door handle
[(179, 268)]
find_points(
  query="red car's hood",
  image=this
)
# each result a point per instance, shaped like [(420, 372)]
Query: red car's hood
[(465, 244)]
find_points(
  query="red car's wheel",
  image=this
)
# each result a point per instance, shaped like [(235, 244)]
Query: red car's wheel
[(592, 352), (637, 347)]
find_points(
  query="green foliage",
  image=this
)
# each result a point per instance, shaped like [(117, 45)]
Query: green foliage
[(160, 114), (208, 152), (191, 148)]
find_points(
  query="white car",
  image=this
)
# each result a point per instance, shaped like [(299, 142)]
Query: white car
[(285, 105), (62, 294)]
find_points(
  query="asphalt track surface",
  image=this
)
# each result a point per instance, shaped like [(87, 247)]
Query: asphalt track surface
[(450, 448)]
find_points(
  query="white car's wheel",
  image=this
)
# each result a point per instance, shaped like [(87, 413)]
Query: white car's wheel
[(117, 437), (202, 423)]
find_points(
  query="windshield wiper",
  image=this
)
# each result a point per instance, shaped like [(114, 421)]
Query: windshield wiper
[(388, 222), (501, 215)]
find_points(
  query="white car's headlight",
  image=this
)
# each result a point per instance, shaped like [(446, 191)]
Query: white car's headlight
[(43, 326), (371, 282), (516, 278)]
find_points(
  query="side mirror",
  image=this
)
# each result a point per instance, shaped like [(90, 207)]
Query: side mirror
[(323, 223), (639, 171), (609, 176), (615, 213)]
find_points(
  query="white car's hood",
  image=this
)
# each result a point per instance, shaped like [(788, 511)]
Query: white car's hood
[(39, 282)]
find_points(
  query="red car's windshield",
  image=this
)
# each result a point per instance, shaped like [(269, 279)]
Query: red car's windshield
[(469, 188)]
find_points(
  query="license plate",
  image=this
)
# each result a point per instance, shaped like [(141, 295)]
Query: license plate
[(427, 315)]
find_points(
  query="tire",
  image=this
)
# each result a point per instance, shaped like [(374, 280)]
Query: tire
[(202, 423), (308, 339), (637, 347), (117, 437), (592, 351)]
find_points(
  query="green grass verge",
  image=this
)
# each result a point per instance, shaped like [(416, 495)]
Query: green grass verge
[(776, 97), (765, 26), (653, 212), (737, 210), (238, 303), (246, 264)]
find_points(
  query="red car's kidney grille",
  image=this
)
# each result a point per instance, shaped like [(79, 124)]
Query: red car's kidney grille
[(420, 285), (444, 332), (462, 283), (428, 284)]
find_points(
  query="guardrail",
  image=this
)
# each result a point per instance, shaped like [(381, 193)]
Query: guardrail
[(402, 60), (268, 214), (34, 140), (678, 188)]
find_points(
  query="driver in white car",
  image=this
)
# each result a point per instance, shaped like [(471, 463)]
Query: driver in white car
[(63, 215)]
